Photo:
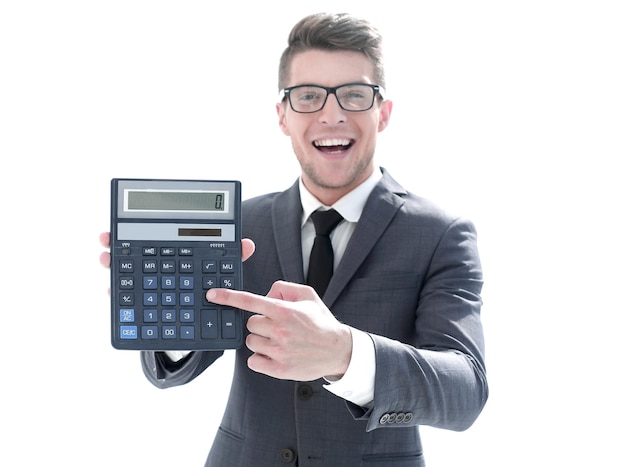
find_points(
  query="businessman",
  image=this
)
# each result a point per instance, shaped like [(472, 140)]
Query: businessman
[(343, 373)]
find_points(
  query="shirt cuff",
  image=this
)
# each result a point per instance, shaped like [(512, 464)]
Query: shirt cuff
[(177, 355), (357, 384)]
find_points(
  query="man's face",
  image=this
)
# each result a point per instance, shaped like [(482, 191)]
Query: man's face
[(335, 147)]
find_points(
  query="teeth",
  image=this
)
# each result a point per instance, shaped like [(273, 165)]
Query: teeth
[(332, 142)]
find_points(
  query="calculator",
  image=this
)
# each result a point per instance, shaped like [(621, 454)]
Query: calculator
[(171, 241)]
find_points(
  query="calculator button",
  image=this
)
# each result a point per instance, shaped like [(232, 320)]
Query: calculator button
[(150, 299), (168, 316), (209, 266), (149, 251), (149, 282), (209, 282), (187, 332), (128, 332), (169, 332), (186, 316), (185, 266), (185, 251), (168, 282), (168, 298), (149, 266), (209, 324), (227, 267), (127, 315), (149, 332), (186, 299), (168, 266), (127, 298), (127, 266), (186, 283), (229, 328), (150, 316), (127, 282), (167, 251)]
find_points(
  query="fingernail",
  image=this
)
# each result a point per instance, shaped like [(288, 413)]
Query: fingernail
[(211, 294)]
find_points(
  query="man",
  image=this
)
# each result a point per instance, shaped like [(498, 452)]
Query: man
[(395, 341)]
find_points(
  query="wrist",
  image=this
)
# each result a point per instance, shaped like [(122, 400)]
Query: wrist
[(343, 351)]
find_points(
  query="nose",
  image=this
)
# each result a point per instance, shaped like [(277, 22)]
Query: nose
[(332, 113)]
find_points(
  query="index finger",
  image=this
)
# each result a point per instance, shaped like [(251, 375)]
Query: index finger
[(243, 300)]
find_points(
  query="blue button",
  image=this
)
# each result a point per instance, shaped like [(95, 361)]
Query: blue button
[(128, 332), (127, 315)]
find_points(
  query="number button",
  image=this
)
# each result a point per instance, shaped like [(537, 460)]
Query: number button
[(168, 298), (186, 316), (168, 282), (150, 299), (168, 316), (186, 283), (150, 316)]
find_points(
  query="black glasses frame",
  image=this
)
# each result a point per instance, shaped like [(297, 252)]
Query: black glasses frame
[(286, 94)]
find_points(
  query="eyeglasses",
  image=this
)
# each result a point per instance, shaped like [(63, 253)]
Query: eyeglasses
[(309, 98)]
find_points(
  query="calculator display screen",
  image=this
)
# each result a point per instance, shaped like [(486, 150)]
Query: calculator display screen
[(149, 200)]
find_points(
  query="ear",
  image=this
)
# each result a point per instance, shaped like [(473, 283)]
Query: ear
[(384, 114), (280, 110)]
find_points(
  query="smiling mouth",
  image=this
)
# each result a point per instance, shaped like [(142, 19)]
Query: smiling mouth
[(333, 146)]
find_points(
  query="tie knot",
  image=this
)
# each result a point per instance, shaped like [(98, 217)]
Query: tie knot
[(325, 221)]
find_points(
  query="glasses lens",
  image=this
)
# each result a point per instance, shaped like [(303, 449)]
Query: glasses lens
[(307, 98), (355, 97)]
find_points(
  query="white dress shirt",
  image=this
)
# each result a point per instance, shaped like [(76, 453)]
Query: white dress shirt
[(357, 384)]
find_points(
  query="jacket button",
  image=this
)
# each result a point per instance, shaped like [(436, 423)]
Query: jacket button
[(305, 392), (408, 417), (384, 419), (287, 455)]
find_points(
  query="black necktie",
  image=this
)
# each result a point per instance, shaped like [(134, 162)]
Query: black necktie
[(321, 261)]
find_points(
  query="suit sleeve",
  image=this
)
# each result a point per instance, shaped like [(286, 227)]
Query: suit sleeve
[(440, 379), (163, 373)]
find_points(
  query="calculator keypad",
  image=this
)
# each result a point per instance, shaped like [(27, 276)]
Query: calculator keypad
[(160, 292)]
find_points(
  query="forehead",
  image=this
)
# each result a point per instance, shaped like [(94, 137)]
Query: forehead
[(330, 68)]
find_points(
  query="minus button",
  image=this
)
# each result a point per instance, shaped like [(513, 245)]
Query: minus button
[(229, 327)]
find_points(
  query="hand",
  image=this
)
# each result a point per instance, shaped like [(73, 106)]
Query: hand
[(293, 334), (247, 249)]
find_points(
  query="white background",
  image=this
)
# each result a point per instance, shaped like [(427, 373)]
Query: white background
[(512, 113)]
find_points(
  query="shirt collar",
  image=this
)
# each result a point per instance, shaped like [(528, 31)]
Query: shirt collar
[(350, 206)]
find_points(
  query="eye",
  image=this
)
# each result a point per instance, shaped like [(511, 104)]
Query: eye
[(307, 94)]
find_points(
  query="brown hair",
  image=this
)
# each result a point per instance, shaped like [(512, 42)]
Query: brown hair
[(325, 31)]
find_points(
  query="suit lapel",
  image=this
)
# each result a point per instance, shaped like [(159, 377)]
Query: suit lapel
[(381, 207), (286, 220)]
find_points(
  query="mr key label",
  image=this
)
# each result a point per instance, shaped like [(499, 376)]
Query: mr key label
[(171, 241)]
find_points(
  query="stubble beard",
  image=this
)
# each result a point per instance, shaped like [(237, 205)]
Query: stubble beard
[(352, 179)]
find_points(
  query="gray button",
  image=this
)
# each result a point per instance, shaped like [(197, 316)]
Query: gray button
[(305, 392), (287, 455)]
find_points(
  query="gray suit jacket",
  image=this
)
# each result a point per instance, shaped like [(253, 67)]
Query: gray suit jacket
[(411, 277)]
